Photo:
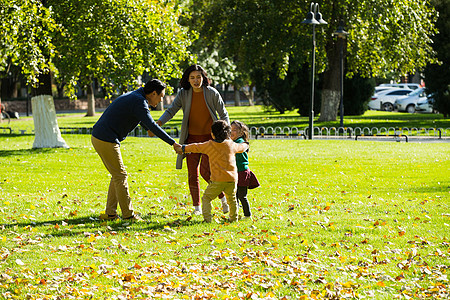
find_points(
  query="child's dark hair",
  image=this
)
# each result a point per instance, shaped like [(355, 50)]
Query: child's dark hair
[(243, 128), (221, 130)]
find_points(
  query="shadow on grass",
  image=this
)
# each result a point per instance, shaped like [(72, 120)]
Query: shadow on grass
[(30, 151), (73, 226), (14, 135), (20, 152), (429, 191)]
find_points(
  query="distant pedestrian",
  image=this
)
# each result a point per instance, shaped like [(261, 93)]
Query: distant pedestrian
[(246, 178), (116, 122), (221, 151)]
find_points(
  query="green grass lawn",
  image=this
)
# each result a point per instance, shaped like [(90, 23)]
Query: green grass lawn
[(256, 116), (332, 219)]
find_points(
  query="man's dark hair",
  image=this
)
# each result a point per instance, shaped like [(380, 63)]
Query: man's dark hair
[(184, 82), (221, 130), (154, 85)]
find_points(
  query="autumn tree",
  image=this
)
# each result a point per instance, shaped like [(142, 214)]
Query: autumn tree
[(25, 39), (113, 41), (116, 41), (26, 42), (267, 35)]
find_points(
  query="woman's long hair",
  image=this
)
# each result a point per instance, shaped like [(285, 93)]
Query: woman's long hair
[(184, 82)]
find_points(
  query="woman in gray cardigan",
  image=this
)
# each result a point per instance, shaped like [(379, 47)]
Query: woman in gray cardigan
[(201, 105)]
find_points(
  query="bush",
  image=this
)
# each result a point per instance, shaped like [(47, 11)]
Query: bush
[(357, 94), (292, 92)]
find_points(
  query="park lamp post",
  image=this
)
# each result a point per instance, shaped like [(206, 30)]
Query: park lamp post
[(341, 34), (314, 17)]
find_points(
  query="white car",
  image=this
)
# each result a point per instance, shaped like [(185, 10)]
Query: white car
[(385, 100), (412, 86), (379, 89), (408, 103), (425, 105)]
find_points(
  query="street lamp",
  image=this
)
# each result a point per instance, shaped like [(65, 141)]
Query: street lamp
[(341, 35), (314, 17)]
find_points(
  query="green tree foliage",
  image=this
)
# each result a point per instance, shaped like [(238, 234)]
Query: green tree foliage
[(220, 70), (256, 34), (293, 92), (25, 39), (437, 76), (267, 36), (288, 93), (387, 36), (115, 41), (357, 93)]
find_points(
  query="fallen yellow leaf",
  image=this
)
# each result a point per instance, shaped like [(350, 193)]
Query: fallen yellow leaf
[(348, 284)]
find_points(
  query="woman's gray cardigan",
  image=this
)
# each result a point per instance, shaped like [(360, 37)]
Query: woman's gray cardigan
[(183, 100)]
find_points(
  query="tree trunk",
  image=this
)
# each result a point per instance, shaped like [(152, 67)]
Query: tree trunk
[(250, 95), (237, 96), (15, 89), (60, 88), (90, 101), (329, 106), (251, 99), (46, 130), (331, 92)]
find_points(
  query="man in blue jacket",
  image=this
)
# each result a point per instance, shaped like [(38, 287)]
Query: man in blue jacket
[(116, 122)]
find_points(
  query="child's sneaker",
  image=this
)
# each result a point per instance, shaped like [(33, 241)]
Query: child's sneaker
[(225, 207), (197, 211)]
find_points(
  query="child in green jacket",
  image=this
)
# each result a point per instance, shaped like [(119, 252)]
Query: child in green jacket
[(246, 178)]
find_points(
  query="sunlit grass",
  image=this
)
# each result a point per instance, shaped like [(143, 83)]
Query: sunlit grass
[(336, 218), (257, 116)]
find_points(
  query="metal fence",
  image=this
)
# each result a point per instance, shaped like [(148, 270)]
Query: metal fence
[(286, 132), (350, 132)]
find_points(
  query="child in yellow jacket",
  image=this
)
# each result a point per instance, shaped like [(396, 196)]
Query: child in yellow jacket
[(221, 152)]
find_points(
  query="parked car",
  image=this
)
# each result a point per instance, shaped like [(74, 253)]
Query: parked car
[(425, 105), (382, 88), (385, 100), (412, 86), (408, 103)]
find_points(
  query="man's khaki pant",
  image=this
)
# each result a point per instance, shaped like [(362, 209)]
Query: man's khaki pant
[(212, 191), (118, 186)]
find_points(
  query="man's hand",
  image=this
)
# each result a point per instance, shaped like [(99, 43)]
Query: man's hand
[(151, 134)]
